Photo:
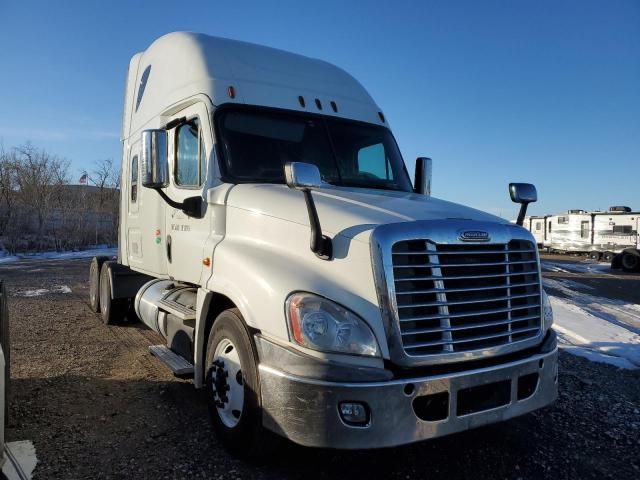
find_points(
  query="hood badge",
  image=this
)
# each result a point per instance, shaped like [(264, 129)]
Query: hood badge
[(474, 236)]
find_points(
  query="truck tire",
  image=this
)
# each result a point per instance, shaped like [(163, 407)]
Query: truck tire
[(630, 261), (608, 256), (6, 348), (233, 388), (94, 283), (594, 255), (112, 310), (616, 261)]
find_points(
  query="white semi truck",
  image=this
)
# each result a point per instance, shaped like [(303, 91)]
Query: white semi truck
[(270, 233)]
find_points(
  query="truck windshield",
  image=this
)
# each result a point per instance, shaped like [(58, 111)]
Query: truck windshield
[(257, 144)]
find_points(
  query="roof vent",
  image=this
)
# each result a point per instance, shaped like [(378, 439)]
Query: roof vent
[(301, 101), (620, 208), (318, 104)]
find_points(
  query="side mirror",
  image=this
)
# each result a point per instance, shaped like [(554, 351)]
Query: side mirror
[(301, 176), (154, 165), (524, 194), (422, 179)]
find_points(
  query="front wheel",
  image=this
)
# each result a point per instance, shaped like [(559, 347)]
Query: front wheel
[(233, 389), (630, 261)]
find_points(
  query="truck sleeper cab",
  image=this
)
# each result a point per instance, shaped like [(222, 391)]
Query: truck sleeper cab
[(271, 235)]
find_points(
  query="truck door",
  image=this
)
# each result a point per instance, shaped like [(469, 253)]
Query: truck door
[(191, 144), (145, 220)]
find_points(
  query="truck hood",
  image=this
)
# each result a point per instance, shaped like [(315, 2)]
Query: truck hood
[(350, 212)]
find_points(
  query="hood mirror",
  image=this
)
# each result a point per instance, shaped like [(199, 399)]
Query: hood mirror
[(422, 179), (304, 177), (301, 175), (524, 194)]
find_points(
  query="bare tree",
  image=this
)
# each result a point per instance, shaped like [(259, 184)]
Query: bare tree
[(7, 188), (39, 175), (106, 176)]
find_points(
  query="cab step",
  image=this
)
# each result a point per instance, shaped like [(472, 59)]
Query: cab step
[(177, 364)]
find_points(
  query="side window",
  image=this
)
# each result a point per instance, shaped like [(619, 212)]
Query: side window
[(372, 160), (190, 162), (564, 220), (134, 179), (625, 229)]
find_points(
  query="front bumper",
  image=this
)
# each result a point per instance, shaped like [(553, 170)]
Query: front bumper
[(306, 410)]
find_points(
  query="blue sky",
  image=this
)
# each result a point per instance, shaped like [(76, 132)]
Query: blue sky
[(494, 91)]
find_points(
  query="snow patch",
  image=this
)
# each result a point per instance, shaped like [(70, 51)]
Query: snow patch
[(94, 252), (20, 461), (578, 267), (591, 334), (563, 283), (41, 291)]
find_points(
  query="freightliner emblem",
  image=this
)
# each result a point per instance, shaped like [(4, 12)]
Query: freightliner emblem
[(474, 236)]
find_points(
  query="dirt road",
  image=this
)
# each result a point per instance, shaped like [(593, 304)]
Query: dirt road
[(97, 405)]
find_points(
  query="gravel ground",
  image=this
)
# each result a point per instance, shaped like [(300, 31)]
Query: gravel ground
[(96, 404)]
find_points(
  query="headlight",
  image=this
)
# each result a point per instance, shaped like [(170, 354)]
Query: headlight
[(547, 312), (320, 324)]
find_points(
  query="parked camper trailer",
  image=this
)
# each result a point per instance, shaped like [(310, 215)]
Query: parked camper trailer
[(598, 234), (536, 225), (271, 235)]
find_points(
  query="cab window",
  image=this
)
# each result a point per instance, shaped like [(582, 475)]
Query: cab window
[(373, 161), (134, 179), (190, 163)]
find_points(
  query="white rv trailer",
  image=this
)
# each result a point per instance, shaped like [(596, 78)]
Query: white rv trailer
[(597, 234), (269, 232), (536, 225)]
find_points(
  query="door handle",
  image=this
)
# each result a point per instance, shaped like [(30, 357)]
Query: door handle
[(169, 248)]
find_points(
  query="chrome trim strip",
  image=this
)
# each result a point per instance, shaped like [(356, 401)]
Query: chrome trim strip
[(475, 313), (434, 232), (466, 302), (449, 265), (474, 289), (470, 339), (497, 323)]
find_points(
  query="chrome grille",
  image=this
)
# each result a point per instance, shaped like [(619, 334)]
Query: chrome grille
[(459, 298)]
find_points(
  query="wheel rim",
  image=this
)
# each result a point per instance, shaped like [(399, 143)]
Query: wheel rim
[(104, 293), (227, 383), (93, 284)]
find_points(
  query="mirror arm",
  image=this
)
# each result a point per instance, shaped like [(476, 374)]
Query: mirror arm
[(320, 244), (177, 205), (172, 203), (522, 213)]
